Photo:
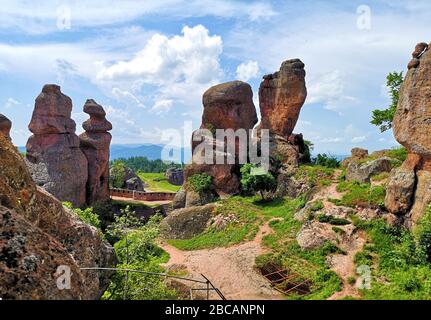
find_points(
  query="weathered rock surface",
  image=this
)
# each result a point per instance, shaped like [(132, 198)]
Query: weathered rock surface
[(358, 154), (38, 234), (229, 106), (314, 235), (412, 127), (194, 198), (95, 143), (175, 176), (53, 155), (5, 126), (363, 172), (281, 97), (180, 199), (188, 222), (400, 190)]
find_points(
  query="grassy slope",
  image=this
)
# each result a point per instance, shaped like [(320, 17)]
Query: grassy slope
[(157, 182)]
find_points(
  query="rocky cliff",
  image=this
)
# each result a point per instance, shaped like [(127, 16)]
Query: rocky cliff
[(38, 234), (408, 191)]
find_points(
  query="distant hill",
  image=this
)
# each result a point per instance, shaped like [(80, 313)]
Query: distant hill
[(151, 151)]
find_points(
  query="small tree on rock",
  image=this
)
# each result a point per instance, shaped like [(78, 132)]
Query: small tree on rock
[(255, 179)]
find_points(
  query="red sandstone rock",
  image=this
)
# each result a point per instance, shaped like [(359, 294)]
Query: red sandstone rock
[(37, 235), (281, 97), (419, 49), (412, 126), (5, 126), (229, 106), (95, 142), (53, 155)]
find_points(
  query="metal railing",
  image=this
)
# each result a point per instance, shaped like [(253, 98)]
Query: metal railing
[(208, 284)]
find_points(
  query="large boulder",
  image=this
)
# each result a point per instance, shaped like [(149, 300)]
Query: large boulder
[(281, 97), (314, 235), (54, 157), (363, 172), (95, 143), (38, 235), (411, 126), (5, 126), (400, 190), (175, 176), (229, 106), (358, 154), (188, 222)]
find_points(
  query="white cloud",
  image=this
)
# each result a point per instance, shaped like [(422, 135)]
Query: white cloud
[(11, 102), (162, 107), (247, 70), (127, 97), (41, 17), (358, 139), (192, 57)]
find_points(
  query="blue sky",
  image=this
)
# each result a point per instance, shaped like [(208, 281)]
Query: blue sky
[(148, 62)]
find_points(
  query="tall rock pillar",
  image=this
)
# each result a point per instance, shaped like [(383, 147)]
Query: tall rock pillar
[(95, 143), (54, 158)]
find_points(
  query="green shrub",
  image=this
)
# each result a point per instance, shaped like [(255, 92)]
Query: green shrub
[(332, 220), (423, 233), (87, 215), (200, 182), (325, 160), (253, 179)]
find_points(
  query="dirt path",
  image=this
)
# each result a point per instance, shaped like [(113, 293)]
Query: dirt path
[(351, 243), (229, 269)]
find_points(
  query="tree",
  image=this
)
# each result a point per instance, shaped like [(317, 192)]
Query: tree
[(255, 179), (383, 118), (117, 174)]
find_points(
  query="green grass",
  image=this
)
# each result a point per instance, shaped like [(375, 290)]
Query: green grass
[(157, 182), (380, 177), (315, 175), (359, 194), (245, 228), (399, 266)]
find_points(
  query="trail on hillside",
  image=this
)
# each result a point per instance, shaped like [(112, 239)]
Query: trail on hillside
[(230, 269), (351, 243)]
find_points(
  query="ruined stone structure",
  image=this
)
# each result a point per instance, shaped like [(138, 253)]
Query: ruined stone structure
[(409, 187), (95, 142), (54, 157)]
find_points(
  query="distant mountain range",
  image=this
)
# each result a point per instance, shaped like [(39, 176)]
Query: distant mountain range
[(151, 151)]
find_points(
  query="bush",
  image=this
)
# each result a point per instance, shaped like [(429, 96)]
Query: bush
[(200, 182), (332, 220), (326, 161), (254, 181), (423, 233), (87, 215), (137, 250)]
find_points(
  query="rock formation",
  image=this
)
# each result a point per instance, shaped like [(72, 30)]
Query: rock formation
[(226, 106), (95, 142), (53, 155), (5, 126), (175, 176), (408, 189), (37, 235), (281, 97), (363, 172), (188, 222)]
